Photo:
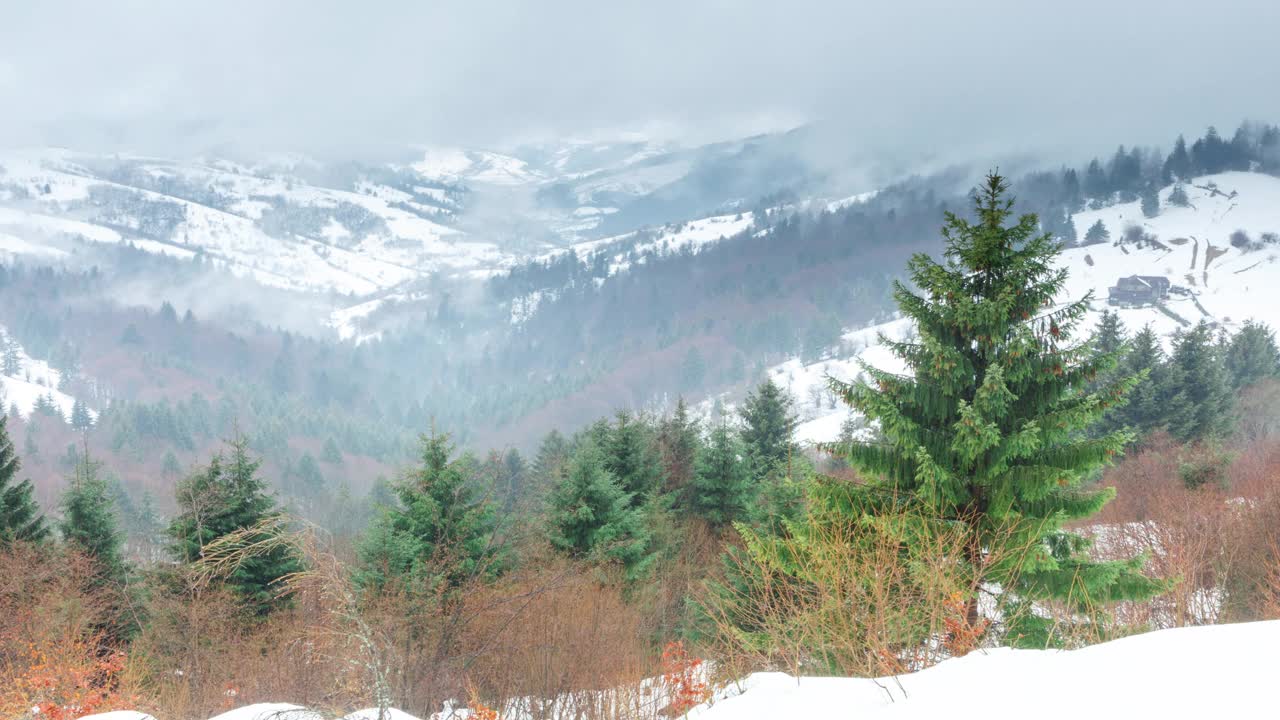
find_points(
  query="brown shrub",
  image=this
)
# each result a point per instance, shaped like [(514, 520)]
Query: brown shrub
[(54, 660)]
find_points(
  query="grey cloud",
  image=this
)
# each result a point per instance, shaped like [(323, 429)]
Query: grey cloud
[(351, 78)]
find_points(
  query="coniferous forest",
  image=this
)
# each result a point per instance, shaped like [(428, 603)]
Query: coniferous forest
[(301, 524)]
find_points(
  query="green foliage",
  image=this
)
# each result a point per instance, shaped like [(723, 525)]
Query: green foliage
[(769, 422), (440, 534), (550, 463), (1109, 337), (988, 428), (679, 445), (591, 515), (722, 490), (1252, 355), (80, 418), (20, 516), (1143, 360), (631, 456), (1097, 234), (1198, 398), (224, 497), (90, 523), (1205, 465)]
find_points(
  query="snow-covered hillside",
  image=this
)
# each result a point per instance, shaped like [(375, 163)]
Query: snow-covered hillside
[(32, 380), (1217, 671), (275, 228), (298, 223), (1192, 246)]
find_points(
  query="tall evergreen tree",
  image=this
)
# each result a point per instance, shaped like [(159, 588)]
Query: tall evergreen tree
[(440, 535), (632, 458), (769, 424), (550, 462), (1178, 165), (1144, 360), (80, 418), (20, 516), (1109, 337), (1150, 201), (1252, 355), (679, 441), (721, 489), (310, 479), (592, 515), (224, 497), (12, 357), (1198, 400), (1178, 196), (987, 428), (90, 524), (1096, 185)]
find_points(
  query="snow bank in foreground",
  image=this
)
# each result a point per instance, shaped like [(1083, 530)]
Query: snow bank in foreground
[(1202, 672), (1219, 671)]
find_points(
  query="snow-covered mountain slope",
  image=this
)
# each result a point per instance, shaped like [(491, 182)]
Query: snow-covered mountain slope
[(32, 380), (1213, 279), (298, 223), (276, 229), (1159, 674)]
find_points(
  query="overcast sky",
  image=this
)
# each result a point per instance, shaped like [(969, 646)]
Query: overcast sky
[(350, 77)]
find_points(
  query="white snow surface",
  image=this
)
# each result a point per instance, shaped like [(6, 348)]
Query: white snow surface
[(1214, 671), (1160, 674)]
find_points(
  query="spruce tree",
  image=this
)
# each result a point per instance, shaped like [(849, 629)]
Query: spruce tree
[(1198, 399), (80, 418), (1178, 165), (769, 423), (553, 455), (224, 497), (591, 515), (721, 488), (90, 523), (988, 428), (1252, 355), (1150, 201), (632, 458), (1144, 411), (12, 357), (20, 516), (1109, 336), (680, 443), (440, 534), (310, 479), (1096, 234)]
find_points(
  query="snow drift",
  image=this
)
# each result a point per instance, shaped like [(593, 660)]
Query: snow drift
[(1219, 671)]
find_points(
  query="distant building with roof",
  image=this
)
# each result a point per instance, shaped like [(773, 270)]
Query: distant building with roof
[(1138, 290)]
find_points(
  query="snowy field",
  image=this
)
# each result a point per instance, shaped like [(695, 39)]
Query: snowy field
[(1200, 673)]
